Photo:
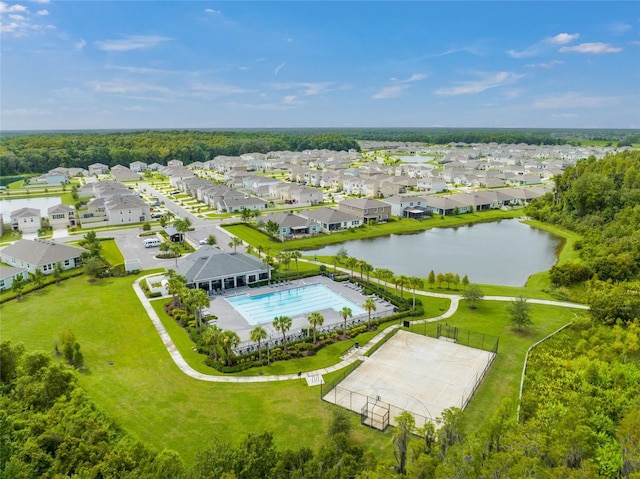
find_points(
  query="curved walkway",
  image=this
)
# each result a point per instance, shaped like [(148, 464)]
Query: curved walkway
[(356, 355)]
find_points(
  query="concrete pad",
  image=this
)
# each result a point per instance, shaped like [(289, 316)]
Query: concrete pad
[(414, 373)]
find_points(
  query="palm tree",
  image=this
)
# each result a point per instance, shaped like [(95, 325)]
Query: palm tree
[(315, 319), (182, 225), (402, 282), (285, 260), (367, 268), (295, 255), (346, 313), (195, 300), (165, 247), (230, 340), (282, 324), (175, 285), (212, 240), (257, 334), (415, 282), (351, 263), (210, 337), (234, 243), (369, 305)]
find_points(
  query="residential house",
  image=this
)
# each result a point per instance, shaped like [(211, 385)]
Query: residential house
[(52, 178), (235, 205), (26, 220), (9, 273), (291, 225), (126, 209), (61, 216), (138, 166), (42, 255), (155, 167), (212, 270), (446, 205), (122, 173), (175, 163), (98, 169), (331, 220), (367, 209), (408, 206)]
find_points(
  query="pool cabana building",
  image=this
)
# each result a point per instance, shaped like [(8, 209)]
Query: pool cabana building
[(212, 270)]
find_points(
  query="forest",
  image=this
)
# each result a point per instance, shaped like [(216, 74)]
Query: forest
[(41, 152), (600, 199)]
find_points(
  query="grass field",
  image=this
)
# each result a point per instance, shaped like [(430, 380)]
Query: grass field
[(145, 392)]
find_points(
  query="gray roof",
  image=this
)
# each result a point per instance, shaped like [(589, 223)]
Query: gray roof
[(329, 215), (25, 212), (41, 252), (9, 271), (118, 202), (363, 203), (59, 209), (208, 262)]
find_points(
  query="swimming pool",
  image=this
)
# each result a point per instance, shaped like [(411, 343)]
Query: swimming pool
[(291, 302)]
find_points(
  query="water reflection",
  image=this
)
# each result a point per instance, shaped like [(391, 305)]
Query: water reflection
[(504, 252)]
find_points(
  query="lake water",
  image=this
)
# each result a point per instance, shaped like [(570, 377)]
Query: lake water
[(504, 252), (417, 159), (43, 204)]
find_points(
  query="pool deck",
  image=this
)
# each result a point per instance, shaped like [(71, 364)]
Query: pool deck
[(229, 318)]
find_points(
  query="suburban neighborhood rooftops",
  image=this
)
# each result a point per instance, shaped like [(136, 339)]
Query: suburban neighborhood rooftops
[(39, 252)]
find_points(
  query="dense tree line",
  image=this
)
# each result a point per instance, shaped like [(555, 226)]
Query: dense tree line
[(442, 136), (600, 199), (36, 153)]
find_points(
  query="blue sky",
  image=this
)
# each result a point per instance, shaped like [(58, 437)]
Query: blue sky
[(264, 64)]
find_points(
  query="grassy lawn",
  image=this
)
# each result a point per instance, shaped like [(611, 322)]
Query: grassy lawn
[(327, 356), (111, 252), (145, 392)]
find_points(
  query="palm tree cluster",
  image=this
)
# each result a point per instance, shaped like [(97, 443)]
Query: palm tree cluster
[(193, 300)]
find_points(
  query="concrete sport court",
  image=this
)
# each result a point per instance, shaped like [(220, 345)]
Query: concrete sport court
[(413, 373)]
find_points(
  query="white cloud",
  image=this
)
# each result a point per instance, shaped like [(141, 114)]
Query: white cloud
[(490, 81), (548, 65), (278, 68), (306, 88), (79, 45), (123, 87), (562, 38), (390, 92), (41, 1), (42, 13), (131, 42), (415, 77), (6, 8), (211, 10), (596, 47), (544, 44), (289, 99), (575, 100)]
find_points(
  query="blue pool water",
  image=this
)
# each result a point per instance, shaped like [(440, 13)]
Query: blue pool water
[(292, 302)]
